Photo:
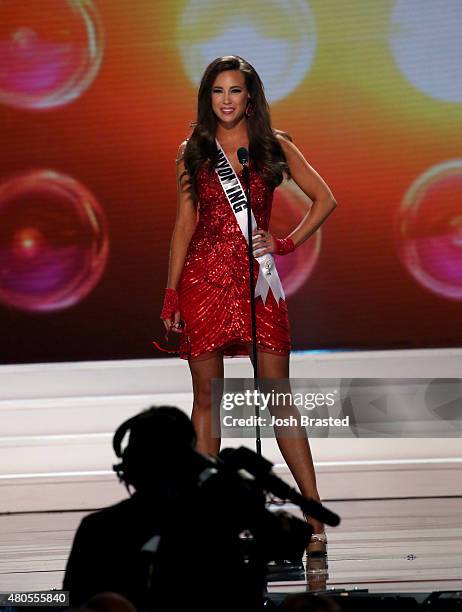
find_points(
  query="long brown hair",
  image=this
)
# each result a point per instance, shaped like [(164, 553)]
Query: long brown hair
[(264, 149)]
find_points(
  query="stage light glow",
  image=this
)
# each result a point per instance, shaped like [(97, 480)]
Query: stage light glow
[(277, 38), (53, 241), (50, 51), (426, 43), (428, 230)]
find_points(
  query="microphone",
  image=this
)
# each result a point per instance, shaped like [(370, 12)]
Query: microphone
[(260, 468), (243, 156)]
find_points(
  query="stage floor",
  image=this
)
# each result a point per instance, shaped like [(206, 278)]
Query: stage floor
[(392, 545), (389, 545)]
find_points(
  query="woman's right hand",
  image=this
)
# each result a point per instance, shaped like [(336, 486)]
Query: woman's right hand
[(174, 324), (170, 314)]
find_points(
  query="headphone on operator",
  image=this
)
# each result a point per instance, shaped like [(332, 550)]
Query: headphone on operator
[(168, 420)]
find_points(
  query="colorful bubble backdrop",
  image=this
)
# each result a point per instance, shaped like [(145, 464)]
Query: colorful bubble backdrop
[(95, 98)]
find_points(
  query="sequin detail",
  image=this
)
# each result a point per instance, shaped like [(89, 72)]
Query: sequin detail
[(214, 290)]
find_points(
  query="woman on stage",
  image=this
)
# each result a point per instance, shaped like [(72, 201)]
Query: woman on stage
[(207, 298)]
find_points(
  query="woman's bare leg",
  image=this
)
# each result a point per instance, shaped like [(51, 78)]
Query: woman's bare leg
[(202, 373), (292, 441)]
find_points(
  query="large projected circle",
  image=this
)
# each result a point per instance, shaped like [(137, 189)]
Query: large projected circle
[(428, 230), (277, 38), (53, 241), (290, 204), (50, 51), (426, 41)]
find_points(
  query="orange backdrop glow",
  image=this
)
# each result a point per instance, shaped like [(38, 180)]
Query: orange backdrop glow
[(95, 98)]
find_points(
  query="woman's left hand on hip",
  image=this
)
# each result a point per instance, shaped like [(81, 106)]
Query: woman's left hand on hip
[(262, 242)]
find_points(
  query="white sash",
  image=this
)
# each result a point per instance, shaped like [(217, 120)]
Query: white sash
[(268, 275)]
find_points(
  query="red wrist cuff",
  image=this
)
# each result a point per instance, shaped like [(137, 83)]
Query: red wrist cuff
[(171, 303), (284, 246)]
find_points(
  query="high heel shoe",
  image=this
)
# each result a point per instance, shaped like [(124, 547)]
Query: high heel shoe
[(317, 546), (316, 573)]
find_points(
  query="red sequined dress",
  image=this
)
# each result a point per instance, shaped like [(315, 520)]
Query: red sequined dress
[(214, 289)]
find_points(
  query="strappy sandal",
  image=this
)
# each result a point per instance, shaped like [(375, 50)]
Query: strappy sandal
[(317, 546)]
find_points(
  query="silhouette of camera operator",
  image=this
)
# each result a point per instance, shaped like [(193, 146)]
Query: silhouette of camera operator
[(194, 533), (171, 543), (106, 554)]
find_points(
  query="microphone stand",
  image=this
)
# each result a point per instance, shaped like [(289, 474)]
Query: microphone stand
[(245, 164)]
